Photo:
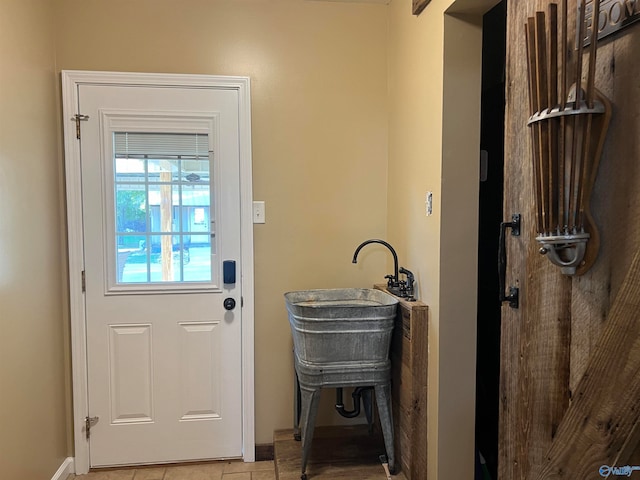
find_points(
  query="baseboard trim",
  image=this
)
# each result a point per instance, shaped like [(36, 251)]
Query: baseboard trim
[(66, 469), (264, 452)]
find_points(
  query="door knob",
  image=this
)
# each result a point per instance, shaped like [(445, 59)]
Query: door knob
[(229, 303)]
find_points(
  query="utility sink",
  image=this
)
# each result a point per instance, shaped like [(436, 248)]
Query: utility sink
[(340, 297), (348, 326), (341, 338)]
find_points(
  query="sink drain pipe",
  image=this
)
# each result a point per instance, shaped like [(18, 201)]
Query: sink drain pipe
[(356, 395)]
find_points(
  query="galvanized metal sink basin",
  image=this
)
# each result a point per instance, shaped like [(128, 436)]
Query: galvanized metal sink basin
[(348, 327), (340, 297)]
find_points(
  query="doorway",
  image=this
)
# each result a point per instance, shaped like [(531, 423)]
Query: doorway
[(159, 172), (490, 216)]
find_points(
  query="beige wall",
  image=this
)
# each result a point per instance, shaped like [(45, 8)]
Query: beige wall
[(33, 423), (319, 121), (434, 144), (340, 92)]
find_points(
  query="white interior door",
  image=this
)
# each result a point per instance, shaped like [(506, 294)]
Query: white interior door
[(161, 216)]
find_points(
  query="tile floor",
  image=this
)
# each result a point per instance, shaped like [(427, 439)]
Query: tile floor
[(232, 470)]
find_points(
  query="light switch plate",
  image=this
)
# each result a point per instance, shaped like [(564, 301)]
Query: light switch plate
[(258, 212)]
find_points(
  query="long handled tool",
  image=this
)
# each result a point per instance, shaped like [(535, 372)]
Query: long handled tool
[(543, 89), (563, 219), (534, 106), (553, 124), (590, 99), (568, 125), (575, 162)]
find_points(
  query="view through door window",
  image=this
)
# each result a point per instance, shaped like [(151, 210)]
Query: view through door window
[(163, 217)]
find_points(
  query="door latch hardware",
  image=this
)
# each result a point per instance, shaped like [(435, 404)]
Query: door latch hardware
[(514, 292), (79, 118), (88, 423)]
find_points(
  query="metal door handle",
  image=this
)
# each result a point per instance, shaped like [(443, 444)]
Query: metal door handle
[(513, 296)]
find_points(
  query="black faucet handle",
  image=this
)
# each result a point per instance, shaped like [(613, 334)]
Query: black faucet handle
[(409, 274), (408, 284), (392, 281)]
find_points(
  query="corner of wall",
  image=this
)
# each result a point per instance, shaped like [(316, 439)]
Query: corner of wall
[(66, 469), (435, 103)]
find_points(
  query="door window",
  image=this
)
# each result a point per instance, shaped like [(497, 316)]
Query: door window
[(163, 223)]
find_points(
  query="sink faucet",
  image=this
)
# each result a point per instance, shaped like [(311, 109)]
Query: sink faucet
[(408, 284), (393, 284)]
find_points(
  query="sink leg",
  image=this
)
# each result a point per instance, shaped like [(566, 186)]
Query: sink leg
[(310, 402), (297, 401), (367, 403), (383, 399)]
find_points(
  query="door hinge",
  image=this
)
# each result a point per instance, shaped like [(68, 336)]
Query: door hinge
[(88, 423), (84, 282), (79, 118)]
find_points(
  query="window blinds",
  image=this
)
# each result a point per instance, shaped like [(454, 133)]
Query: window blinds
[(161, 145)]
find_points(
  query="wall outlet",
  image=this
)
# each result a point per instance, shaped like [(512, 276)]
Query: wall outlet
[(258, 212)]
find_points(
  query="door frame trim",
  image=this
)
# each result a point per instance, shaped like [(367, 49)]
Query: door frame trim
[(71, 79)]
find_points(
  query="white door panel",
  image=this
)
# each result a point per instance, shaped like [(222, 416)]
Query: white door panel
[(164, 356)]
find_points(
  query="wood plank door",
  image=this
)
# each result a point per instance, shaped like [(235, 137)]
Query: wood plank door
[(563, 412)]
